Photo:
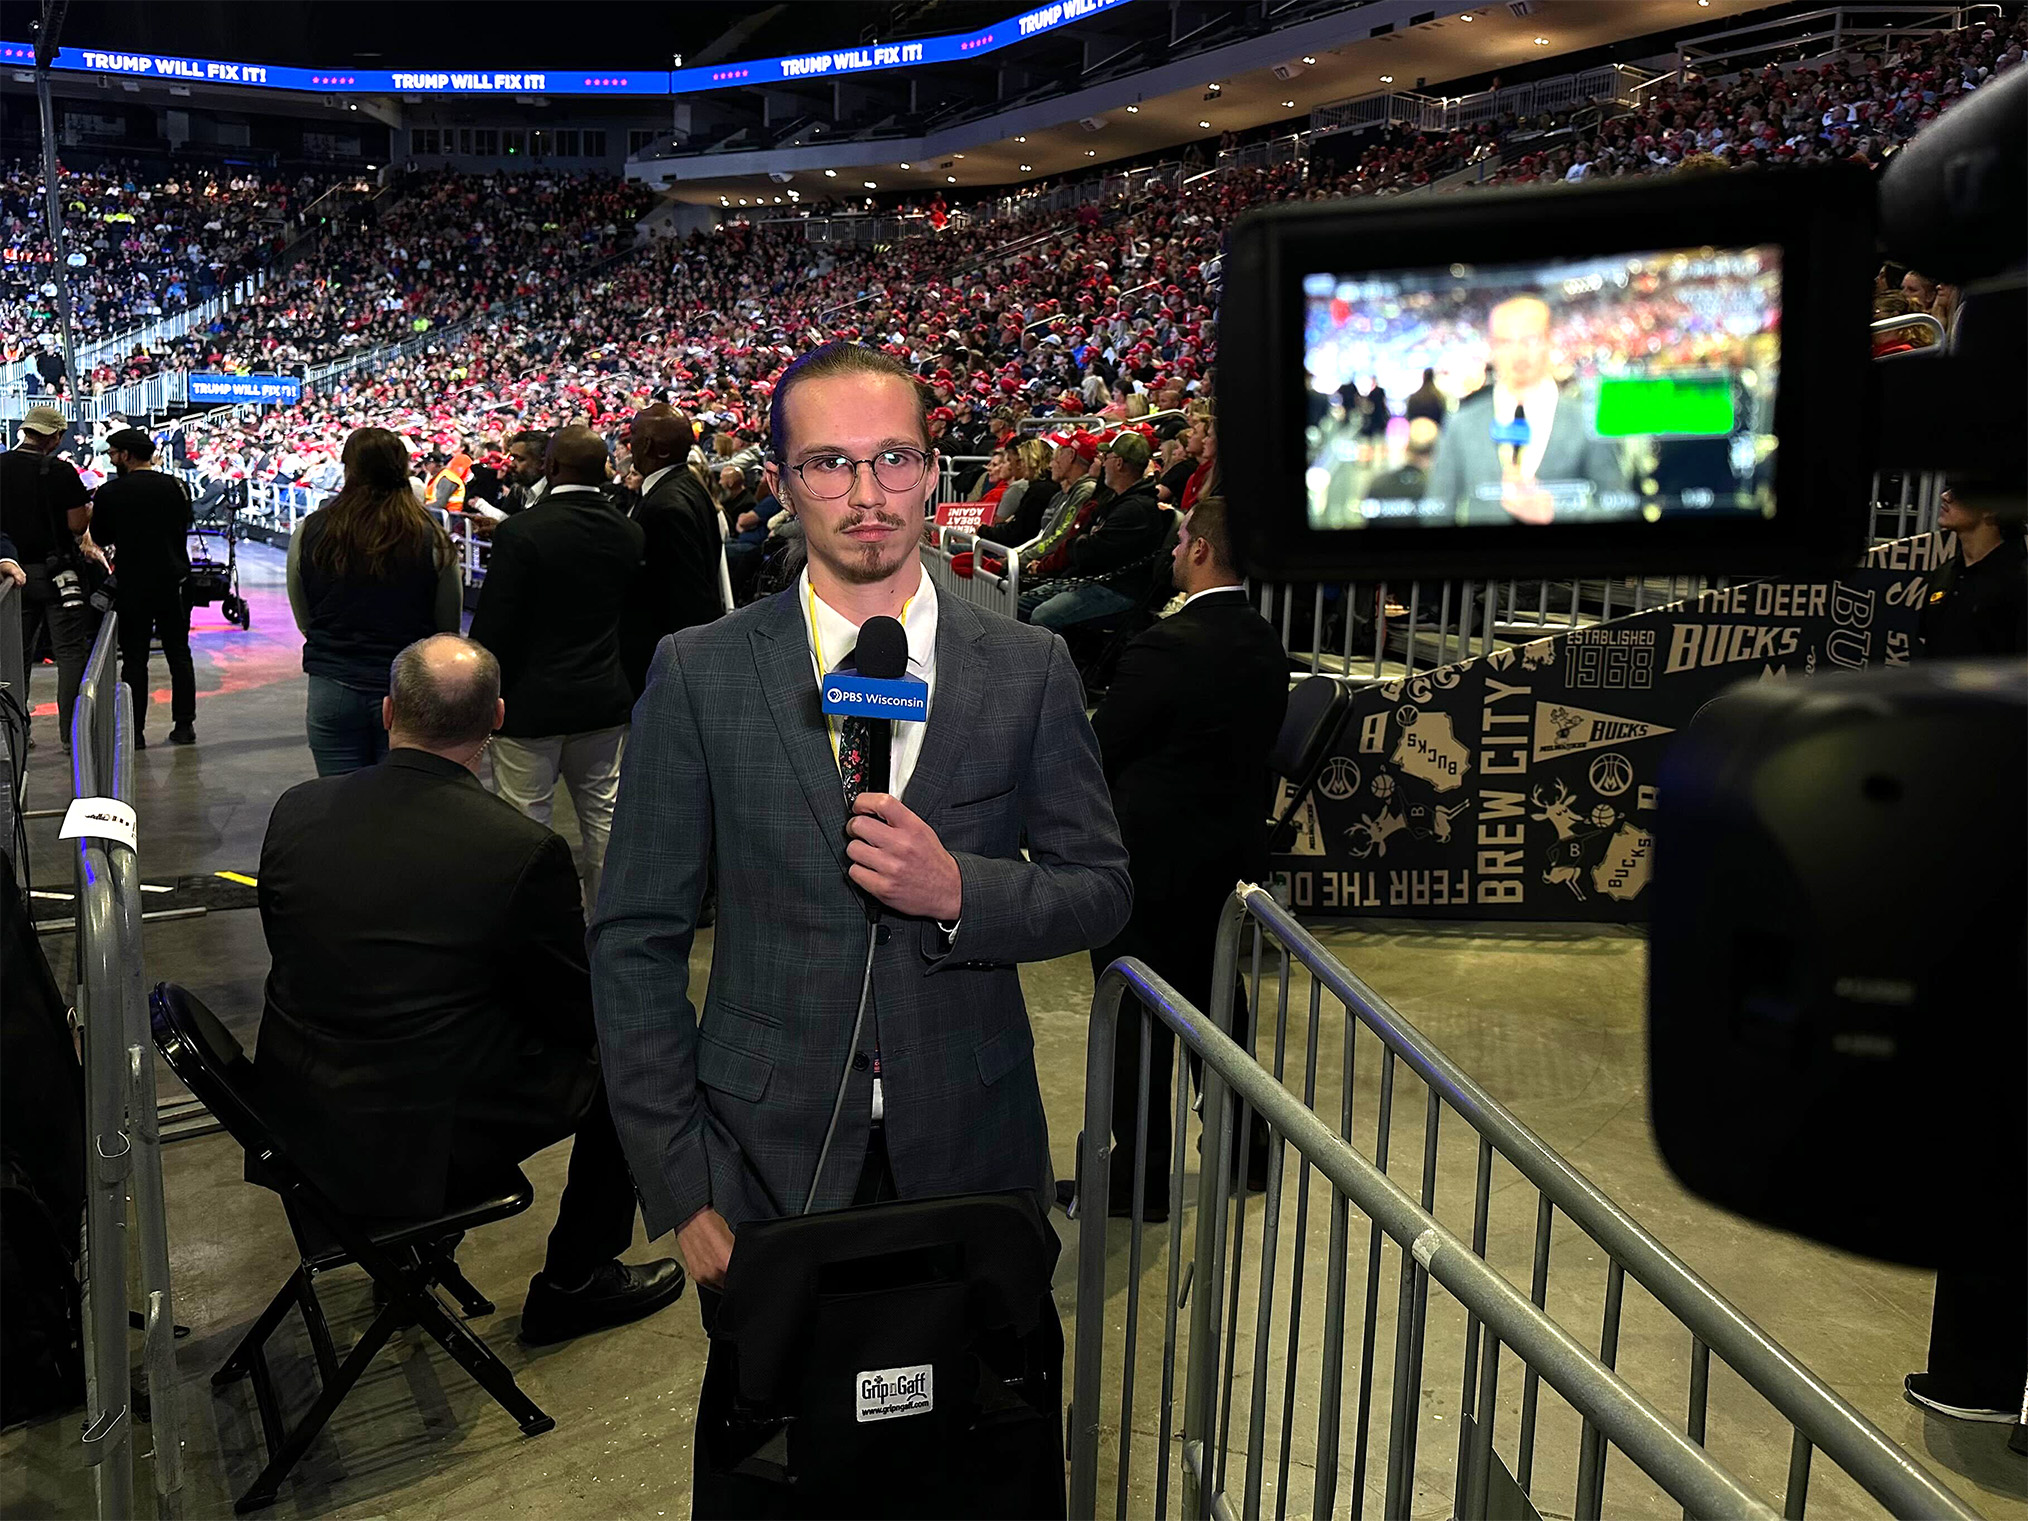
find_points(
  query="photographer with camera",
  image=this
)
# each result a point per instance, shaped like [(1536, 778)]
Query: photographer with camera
[(45, 510), (143, 517)]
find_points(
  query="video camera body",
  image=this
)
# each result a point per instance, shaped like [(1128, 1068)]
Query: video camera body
[(1670, 375)]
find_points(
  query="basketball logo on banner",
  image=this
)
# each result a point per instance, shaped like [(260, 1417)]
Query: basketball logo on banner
[(1340, 779), (1610, 775)]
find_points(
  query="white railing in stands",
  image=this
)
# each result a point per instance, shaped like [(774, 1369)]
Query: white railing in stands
[(175, 325), (1432, 113)]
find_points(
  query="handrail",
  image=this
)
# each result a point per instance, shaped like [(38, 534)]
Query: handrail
[(1855, 1443), (108, 1435), (1949, 17), (1680, 1466), (1917, 321), (14, 698)]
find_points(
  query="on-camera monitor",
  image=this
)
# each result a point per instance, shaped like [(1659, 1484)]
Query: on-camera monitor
[(1627, 388), (1631, 377)]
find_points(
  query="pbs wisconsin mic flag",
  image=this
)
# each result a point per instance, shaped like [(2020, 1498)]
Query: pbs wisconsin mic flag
[(1522, 784)]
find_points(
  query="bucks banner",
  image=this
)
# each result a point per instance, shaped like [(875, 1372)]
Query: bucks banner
[(1522, 785)]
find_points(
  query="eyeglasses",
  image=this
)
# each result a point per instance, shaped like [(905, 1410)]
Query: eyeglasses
[(830, 476)]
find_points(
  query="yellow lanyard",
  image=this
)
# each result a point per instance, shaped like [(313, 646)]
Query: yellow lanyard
[(824, 666)]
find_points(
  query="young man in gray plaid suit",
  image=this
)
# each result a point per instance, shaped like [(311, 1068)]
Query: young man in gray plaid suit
[(732, 762)]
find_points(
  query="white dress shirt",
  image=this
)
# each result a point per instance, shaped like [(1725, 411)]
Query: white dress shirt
[(1540, 400), (838, 636), (1236, 586), (648, 481)]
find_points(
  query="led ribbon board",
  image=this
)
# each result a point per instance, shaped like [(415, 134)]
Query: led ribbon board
[(838, 62)]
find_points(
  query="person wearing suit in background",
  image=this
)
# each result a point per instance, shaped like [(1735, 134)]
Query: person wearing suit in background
[(732, 760), (1185, 731), (678, 583), (1562, 467), (144, 517), (550, 610), (406, 1061)]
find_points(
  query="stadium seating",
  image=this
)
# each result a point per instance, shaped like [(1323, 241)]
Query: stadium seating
[(997, 308)]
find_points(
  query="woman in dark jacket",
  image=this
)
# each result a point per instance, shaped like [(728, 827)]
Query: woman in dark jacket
[(369, 574)]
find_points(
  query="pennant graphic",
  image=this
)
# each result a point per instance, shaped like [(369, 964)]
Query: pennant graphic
[(1562, 728)]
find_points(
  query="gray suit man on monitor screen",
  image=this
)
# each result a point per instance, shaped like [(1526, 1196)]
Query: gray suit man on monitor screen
[(1522, 448)]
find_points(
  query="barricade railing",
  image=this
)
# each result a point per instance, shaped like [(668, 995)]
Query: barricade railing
[(279, 507), (1201, 1460), (1365, 631), (124, 1156), (1239, 1430), (994, 592), (14, 711)]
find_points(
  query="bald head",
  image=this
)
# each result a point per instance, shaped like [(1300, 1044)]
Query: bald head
[(577, 457), (661, 437), (444, 697), (1517, 332)]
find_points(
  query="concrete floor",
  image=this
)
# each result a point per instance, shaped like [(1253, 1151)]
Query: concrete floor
[(1548, 1018)]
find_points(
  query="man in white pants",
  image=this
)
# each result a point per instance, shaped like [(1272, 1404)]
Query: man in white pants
[(556, 581)]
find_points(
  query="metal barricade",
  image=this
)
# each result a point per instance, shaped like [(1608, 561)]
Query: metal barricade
[(1365, 631), (995, 593), (14, 711), (120, 1107), (1903, 504), (108, 1433), (1237, 1445)]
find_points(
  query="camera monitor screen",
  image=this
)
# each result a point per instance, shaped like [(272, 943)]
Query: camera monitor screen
[(1635, 377), (1623, 388)]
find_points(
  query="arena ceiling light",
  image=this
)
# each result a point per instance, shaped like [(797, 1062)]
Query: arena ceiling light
[(1307, 58), (1027, 168), (871, 186), (1387, 79), (950, 179), (1288, 105), (1542, 42), (1131, 111), (904, 166), (830, 174), (1204, 124), (1091, 153)]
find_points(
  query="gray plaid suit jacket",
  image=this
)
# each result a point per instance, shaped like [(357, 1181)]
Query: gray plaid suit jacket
[(729, 761)]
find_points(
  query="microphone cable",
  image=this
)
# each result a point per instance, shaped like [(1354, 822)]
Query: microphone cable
[(851, 1050)]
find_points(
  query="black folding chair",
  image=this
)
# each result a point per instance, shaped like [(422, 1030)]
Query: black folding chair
[(1316, 712), (407, 1259)]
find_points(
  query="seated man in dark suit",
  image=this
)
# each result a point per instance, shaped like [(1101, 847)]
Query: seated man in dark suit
[(428, 1019), (1184, 732)]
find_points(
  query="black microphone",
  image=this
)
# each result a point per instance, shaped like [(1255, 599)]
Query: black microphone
[(1519, 432), (882, 654)]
